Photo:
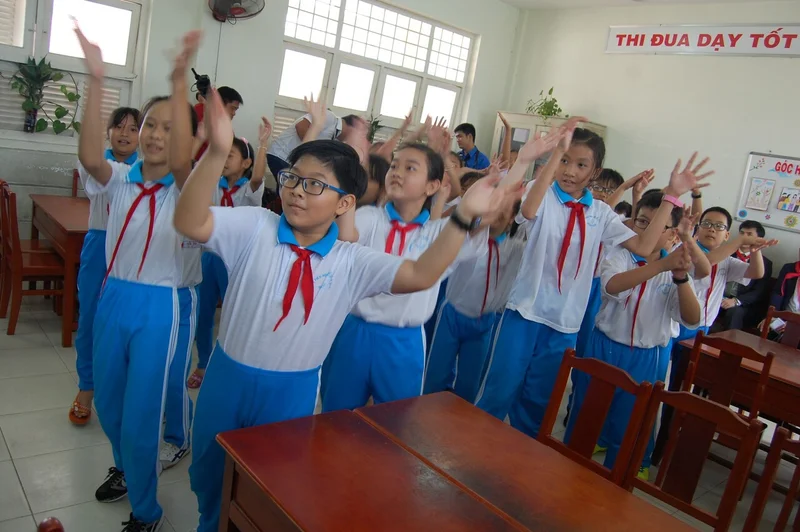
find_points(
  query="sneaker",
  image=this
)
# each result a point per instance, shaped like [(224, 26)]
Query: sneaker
[(113, 487), (134, 525), (644, 474), (171, 454), (598, 449)]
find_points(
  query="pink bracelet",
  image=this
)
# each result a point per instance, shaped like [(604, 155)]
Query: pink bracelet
[(672, 199)]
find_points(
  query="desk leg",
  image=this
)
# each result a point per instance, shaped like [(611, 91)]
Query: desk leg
[(225, 523), (68, 302), (34, 236)]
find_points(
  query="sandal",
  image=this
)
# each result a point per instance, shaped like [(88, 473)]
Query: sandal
[(79, 414), (194, 381)]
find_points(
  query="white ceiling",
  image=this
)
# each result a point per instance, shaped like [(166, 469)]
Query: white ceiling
[(564, 4)]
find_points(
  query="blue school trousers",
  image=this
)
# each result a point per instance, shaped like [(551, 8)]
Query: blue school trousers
[(371, 359), (430, 325), (212, 290), (458, 352), (140, 330), (523, 365), (235, 396), (91, 273), (640, 363), (587, 325)]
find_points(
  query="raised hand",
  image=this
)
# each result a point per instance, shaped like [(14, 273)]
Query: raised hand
[(439, 138), (498, 165), (687, 224), (643, 181), (765, 244), (682, 181), (264, 131), (407, 122), (485, 197), (218, 125), (539, 145), (503, 119), (189, 45), (679, 262), (440, 122), (317, 109), (93, 57), (568, 129)]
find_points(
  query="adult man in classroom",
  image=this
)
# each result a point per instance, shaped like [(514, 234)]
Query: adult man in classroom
[(472, 157)]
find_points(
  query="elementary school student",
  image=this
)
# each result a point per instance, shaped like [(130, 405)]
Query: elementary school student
[(146, 313), (293, 274), (122, 132), (240, 185), (565, 230), (380, 349), (477, 292), (642, 296)]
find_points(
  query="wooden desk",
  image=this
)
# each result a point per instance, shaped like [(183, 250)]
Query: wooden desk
[(335, 472), (532, 483), (782, 396), (64, 221)]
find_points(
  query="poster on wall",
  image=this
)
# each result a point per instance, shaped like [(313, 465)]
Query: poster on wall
[(771, 191), (712, 39)]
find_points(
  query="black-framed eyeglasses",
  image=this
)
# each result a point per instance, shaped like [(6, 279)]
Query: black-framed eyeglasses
[(312, 186), (708, 224), (600, 189), (644, 223)]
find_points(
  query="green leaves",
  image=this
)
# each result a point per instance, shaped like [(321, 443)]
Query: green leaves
[(76, 126), (59, 126), (31, 80), (28, 105), (546, 106), (41, 125), (61, 112)]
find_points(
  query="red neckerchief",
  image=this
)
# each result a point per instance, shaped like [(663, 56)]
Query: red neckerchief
[(742, 257), (492, 246), (301, 275), (791, 275), (227, 196), (145, 192), (642, 286), (710, 289), (576, 214), (402, 230)]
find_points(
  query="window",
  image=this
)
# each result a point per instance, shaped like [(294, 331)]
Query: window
[(373, 59), (41, 28)]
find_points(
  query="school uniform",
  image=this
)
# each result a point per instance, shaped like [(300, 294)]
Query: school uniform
[(477, 291), (630, 331), (380, 349), (143, 328), (264, 374), (91, 272), (215, 277), (547, 303)]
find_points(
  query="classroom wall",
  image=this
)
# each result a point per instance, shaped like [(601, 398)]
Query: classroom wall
[(659, 108)]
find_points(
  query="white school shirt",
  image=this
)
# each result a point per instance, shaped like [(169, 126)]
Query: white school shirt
[(254, 244), (407, 310), (659, 306), (98, 203), (289, 140), (172, 260), (467, 288), (730, 269), (535, 293), (243, 195)]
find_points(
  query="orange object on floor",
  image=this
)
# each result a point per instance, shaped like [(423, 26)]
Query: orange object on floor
[(79, 414)]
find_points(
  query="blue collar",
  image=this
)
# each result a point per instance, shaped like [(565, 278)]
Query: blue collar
[(701, 246), (423, 217), (223, 182), (563, 197), (500, 238), (321, 247), (129, 161), (135, 176), (637, 258)]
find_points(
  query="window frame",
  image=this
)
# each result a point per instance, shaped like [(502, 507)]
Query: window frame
[(334, 80), (296, 104), (416, 110), (17, 54), (457, 104)]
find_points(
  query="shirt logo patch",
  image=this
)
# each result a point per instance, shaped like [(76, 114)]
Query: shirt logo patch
[(592, 221), (419, 244), (190, 244), (664, 288), (323, 281)]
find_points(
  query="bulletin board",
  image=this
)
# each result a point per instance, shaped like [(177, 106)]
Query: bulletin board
[(771, 191)]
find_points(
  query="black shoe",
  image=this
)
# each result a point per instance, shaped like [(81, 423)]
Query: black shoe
[(113, 487), (134, 525)]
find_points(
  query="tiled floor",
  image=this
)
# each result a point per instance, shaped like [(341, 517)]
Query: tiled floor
[(50, 468)]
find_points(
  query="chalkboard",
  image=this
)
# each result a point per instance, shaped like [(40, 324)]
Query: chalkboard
[(771, 191)]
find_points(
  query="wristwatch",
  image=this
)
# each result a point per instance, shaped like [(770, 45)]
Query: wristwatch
[(462, 224), (680, 281)]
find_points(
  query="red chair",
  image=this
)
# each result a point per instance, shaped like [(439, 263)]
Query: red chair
[(781, 443), (20, 266), (604, 380), (76, 179), (791, 334)]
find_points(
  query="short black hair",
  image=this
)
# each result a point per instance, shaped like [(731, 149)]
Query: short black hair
[(118, 116), (378, 168), (458, 156), (594, 142), (653, 201), (435, 161), (752, 224), (229, 95), (340, 158), (467, 129), (351, 120), (611, 176), (158, 99), (470, 176), (244, 147), (720, 210), (623, 207)]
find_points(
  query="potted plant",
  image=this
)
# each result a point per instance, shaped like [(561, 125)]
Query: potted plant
[(546, 106), (374, 127), (30, 81)]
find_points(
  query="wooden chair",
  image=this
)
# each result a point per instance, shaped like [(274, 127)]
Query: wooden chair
[(76, 179), (604, 380), (695, 417), (20, 266), (791, 334), (781, 443)]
